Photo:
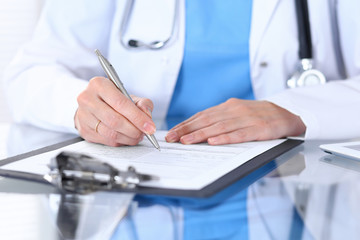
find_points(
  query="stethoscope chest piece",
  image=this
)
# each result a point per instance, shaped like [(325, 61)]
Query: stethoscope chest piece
[(306, 76)]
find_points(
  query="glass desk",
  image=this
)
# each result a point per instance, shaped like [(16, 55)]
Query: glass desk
[(303, 194)]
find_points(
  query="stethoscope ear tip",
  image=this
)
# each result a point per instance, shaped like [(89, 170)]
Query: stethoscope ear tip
[(133, 43)]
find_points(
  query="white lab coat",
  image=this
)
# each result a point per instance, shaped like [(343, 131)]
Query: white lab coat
[(48, 73)]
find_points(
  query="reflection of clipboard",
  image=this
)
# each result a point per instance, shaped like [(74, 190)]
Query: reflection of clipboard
[(220, 183)]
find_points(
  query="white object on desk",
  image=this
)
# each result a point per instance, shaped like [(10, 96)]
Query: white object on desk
[(345, 149)]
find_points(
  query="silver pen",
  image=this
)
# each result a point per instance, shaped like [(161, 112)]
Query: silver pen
[(112, 75)]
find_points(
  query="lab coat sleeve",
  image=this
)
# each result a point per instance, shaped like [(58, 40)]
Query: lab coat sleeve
[(331, 111), (43, 81)]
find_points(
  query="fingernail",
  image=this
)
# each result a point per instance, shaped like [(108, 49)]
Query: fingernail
[(149, 128), (171, 137), (213, 140), (187, 139)]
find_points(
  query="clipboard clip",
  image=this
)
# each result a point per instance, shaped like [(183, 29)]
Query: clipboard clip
[(80, 173)]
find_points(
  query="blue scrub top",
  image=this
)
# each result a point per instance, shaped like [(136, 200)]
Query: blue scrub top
[(216, 57), (215, 68)]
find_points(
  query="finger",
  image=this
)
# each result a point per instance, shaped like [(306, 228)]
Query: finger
[(215, 129), (198, 123), (238, 136), (113, 120), (97, 132), (123, 141), (111, 137), (214, 109), (120, 103), (190, 119), (89, 130), (93, 130)]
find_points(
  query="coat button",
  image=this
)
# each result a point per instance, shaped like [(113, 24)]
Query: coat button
[(263, 64)]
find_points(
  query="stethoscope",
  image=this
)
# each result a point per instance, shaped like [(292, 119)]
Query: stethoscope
[(305, 74), (134, 43)]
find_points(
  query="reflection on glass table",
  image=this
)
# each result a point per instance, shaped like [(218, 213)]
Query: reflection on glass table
[(61, 216), (302, 194), (238, 212)]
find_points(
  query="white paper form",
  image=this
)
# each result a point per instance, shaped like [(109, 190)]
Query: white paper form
[(187, 167)]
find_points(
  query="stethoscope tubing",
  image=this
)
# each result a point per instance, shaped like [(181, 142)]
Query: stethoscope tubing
[(304, 30), (154, 45)]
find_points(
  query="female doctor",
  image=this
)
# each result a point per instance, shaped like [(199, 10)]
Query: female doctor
[(220, 72)]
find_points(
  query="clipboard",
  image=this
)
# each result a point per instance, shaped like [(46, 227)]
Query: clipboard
[(209, 190)]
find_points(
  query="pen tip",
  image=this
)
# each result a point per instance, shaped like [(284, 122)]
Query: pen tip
[(97, 52)]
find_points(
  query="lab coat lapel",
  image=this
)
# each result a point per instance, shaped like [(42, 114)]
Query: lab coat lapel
[(261, 15)]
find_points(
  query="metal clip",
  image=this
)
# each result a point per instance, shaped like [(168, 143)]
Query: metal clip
[(80, 173)]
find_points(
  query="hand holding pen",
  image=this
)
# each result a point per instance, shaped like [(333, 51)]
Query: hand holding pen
[(108, 116)]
